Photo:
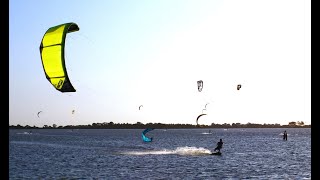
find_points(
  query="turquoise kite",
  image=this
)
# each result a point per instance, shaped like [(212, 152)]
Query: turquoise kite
[(144, 137)]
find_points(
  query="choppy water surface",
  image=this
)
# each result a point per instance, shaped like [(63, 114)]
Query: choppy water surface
[(256, 153)]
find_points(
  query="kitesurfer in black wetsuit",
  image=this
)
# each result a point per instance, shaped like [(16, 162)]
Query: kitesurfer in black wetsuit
[(219, 145), (285, 135)]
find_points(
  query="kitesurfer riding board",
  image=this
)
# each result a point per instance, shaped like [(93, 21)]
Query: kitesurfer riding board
[(216, 150)]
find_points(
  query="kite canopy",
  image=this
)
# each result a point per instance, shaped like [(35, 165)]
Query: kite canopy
[(199, 117), (140, 107), (144, 137), (39, 113), (238, 86), (52, 56), (200, 85)]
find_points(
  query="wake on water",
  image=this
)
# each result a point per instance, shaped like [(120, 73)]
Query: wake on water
[(25, 133), (193, 151), (207, 132)]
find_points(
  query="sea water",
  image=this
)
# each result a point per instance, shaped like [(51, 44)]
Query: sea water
[(248, 153)]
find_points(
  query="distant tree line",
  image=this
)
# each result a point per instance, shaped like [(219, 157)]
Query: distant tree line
[(139, 125)]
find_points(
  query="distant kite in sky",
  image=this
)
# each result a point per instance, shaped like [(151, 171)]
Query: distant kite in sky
[(39, 113), (239, 86), (200, 85), (199, 117), (140, 107), (52, 56)]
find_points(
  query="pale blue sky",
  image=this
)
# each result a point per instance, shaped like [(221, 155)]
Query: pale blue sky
[(129, 53)]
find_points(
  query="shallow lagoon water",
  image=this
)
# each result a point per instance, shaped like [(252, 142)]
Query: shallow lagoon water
[(249, 153)]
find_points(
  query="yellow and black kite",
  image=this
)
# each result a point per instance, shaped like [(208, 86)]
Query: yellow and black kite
[(52, 56)]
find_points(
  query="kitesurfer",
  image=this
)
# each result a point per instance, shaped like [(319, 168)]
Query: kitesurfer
[(219, 145), (285, 135)]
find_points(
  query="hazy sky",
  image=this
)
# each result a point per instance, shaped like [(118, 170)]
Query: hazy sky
[(152, 53)]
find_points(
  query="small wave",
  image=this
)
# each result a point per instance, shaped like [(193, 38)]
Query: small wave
[(209, 132), (25, 133), (33, 143)]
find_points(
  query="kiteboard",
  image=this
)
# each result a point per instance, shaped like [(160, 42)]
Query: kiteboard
[(216, 153)]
